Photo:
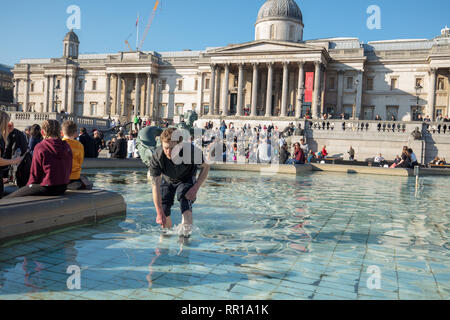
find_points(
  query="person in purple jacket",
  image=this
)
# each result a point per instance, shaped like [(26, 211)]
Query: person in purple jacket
[(51, 166)]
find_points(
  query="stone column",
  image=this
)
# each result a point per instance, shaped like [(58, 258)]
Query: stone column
[(432, 93), (148, 111), (27, 94), (300, 89), (51, 93), (71, 95), (254, 90), (16, 91), (107, 97), (64, 97), (269, 90), (212, 90), (225, 91), (137, 97), (240, 97), (46, 85), (155, 114), (216, 92), (340, 93), (359, 94), (199, 92), (119, 95), (316, 93), (284, 94)]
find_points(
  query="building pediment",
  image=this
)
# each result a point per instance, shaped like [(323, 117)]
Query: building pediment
[(266, 46)]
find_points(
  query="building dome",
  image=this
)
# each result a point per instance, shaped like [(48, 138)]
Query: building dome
[(71, 37), (280, 9), (280, 20)]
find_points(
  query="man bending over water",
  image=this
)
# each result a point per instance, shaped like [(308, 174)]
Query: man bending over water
[(172, 176)]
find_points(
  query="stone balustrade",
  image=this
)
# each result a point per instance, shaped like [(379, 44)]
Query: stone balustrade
[(23, 119), (361, 126)]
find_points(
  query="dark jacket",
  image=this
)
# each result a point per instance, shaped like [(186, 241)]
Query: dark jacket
[(284, 156), (33, 142), (16, 139), (89, 145), (98, 142), (52, 163), (119, 149)]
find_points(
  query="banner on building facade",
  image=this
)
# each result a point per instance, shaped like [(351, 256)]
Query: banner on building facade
[(309, 84)]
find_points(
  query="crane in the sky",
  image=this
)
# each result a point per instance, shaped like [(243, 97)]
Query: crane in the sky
[(149, 24)]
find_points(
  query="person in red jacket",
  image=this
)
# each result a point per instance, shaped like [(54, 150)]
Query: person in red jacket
[(324, 152), (51, 166)]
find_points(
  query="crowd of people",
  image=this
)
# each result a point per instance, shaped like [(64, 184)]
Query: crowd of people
[(47, 160)]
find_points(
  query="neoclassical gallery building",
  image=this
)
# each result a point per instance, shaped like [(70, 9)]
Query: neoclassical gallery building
[(279, 75)]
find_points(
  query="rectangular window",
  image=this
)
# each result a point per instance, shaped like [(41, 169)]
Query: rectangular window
[(207, 84), (419, 82), (32, 87), (163, 84), (392, 113), (93, 111), (394, 83), (94, 85), (416, 111), (180, 85), (331, 83), (196, 85), (441, 111), (441, 84), (369, 86), (348, 111), (179, 109), (349, 83), (205, 109), (330, 109), (368, 113), (58, 84)]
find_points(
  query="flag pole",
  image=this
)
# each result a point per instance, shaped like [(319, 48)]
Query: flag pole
[(137, 33)]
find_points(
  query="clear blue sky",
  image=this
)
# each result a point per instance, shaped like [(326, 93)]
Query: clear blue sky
[(35, 29)]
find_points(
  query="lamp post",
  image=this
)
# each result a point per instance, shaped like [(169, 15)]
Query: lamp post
[(418, 92)]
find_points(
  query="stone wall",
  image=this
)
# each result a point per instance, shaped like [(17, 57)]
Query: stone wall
[(23, 119)]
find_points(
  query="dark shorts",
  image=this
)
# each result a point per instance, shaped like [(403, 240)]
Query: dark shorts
[(168, 191)]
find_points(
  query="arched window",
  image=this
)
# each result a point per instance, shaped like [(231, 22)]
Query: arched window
[(272, 31), (70, 50)]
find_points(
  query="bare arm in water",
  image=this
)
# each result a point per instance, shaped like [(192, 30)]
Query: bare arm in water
[(157, 200), (192, 193)]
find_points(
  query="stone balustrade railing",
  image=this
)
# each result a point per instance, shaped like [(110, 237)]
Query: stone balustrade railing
[(382, 127), (24, 119), (437, 128)]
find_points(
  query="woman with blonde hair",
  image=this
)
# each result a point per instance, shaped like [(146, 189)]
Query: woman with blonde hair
[(51, 166), (4, 131)]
